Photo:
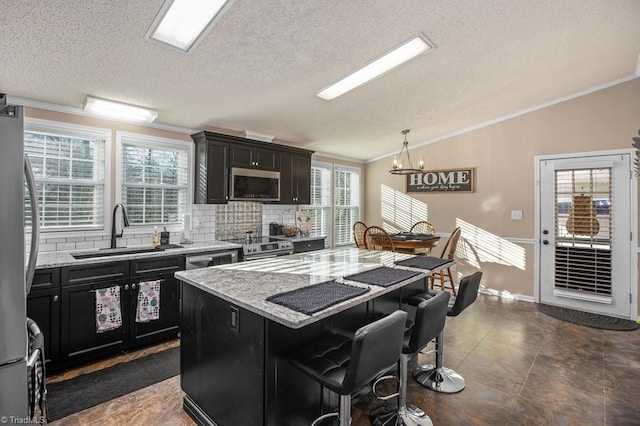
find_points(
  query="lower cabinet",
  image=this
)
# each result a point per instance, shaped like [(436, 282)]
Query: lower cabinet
[(63, 304), (80, 339), (143, 272), (43, 306), (308, 245)]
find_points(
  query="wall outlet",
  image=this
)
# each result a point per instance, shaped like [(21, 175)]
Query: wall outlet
[(516, 214)]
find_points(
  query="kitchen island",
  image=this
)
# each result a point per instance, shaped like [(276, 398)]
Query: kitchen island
[(235, 343)]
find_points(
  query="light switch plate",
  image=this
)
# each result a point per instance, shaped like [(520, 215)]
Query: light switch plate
[(516, 214)]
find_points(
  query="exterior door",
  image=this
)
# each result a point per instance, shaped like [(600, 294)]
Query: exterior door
[(585, 245)]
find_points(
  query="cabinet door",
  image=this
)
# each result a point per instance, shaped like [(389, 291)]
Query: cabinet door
[(80, 339), (241, 156), (167, 325), (265, 159), (302, 179), (43, 306), (287, 181), (217, 173)]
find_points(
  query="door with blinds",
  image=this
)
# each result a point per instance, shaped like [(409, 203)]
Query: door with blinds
[(584, 245)]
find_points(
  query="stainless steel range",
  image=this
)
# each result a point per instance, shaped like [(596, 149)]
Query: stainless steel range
[(262, 247)]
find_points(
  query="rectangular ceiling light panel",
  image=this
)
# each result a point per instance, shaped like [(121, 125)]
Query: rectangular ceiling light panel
[(119, 111), (183, 23), (414, 47)]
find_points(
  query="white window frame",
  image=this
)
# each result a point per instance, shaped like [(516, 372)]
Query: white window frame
[(333, 167), (36, 125), (159, 142)]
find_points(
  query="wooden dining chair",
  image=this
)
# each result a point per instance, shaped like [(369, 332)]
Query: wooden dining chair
[(423, 227), (358, 234), (448, 252), (376, 238)]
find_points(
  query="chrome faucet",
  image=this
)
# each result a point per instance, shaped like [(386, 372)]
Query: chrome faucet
[(125, 222)]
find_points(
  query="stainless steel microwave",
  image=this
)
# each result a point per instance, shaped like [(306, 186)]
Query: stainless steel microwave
[(258, 185)]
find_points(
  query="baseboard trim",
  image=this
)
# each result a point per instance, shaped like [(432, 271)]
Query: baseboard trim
[(504, 294)]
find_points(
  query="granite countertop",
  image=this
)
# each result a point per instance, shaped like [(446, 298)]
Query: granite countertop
[(59, 259), (248, 284)]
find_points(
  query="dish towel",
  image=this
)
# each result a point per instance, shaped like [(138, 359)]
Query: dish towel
[(108, 314), (148, 301)]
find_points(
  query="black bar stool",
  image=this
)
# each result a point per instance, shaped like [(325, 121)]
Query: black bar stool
[(429, 321), (345, 365), (436, 377)]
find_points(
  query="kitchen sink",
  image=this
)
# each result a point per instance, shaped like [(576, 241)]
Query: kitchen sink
[(122, 251)]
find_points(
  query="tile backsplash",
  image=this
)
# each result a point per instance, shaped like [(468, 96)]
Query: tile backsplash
[(208, 222)]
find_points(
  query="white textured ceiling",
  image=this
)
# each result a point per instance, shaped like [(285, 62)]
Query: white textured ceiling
[(260, 67)]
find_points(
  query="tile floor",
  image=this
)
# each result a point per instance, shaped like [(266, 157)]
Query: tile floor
[(521, 367)]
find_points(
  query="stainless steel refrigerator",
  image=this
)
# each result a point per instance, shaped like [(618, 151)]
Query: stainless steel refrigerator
[(16, 266)]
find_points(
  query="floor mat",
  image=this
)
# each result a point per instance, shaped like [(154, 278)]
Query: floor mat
[(91, 389), (587, 319)]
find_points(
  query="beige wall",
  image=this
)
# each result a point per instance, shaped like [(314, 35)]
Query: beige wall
[(503, 156)]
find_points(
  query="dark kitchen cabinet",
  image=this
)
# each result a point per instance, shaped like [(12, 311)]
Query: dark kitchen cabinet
[(249, 157), (295, 178), (43, 306), (216, 153), (212, 170), (168, 325), (80, 340), (308, 245)]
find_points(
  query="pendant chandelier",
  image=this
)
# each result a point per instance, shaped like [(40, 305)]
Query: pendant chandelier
[(403, 165)]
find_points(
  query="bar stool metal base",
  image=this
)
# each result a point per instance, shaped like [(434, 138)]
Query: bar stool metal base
[(411, 416), (443, 379)]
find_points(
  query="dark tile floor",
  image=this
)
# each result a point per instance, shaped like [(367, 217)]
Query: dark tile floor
[(521, 367)]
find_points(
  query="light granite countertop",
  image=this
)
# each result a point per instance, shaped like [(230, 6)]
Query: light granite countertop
[(59, 258), (248, 284)]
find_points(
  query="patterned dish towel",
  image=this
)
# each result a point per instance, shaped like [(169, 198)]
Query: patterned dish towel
[(108, 314), (148, 301)]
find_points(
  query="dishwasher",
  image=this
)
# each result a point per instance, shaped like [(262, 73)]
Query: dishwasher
[(214, 258)]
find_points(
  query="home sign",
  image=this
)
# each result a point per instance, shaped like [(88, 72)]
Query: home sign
[(453, 180)]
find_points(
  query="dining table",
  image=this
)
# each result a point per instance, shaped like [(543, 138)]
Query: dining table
[(414, 243)]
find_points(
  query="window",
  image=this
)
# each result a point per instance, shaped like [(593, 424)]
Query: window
[(347, 203), (320, 207), (334, 219), (68, 163), (154, 179)]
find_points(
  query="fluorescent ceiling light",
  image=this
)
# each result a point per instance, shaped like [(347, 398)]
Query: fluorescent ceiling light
[(118, 110), (416, 46), (180, 23)]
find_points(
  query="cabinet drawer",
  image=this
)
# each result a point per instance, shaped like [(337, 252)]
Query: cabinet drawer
[(157, 265), (309, 245), (46, 279), (98, 272)]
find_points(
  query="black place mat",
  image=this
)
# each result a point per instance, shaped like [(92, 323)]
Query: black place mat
[(403, 236), (382, 276), (316, 297), (423, 262)]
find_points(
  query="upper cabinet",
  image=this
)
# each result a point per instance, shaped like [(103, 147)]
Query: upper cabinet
[(217, 153), (295, 178), (211, 170), (253, 157)]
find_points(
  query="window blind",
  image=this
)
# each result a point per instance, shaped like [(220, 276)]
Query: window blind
[(69, 173), (320, 207), (154, 182), (346, 202)]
